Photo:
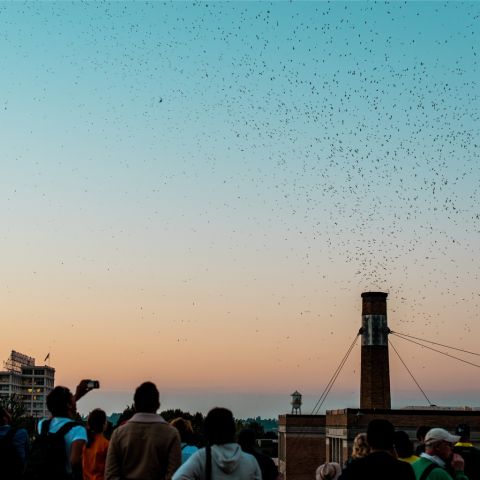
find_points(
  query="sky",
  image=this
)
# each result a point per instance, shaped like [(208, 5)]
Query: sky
[(197, 194)]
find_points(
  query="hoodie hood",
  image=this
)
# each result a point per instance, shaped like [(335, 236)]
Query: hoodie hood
[(227, 456)]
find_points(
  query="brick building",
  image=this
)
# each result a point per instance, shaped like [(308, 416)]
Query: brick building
[(307, 441), (301, 445)]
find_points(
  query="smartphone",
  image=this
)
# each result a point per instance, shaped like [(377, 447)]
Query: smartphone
[(93, 384)]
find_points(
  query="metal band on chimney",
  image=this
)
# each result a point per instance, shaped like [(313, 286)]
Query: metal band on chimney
[(374, 319), (374, 330)]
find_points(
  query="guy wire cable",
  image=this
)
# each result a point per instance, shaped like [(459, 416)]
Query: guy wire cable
[(295, 442), (435, 350), (330, 383), (436, 343), (411, 374)]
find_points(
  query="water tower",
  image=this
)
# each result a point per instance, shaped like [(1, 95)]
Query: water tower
[(296, 402)]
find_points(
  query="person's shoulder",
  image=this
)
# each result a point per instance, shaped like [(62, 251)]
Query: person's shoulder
[(163, 426), (439, 473), (405, 466), (354, 462), (380, 459), (248, 456), (118, 432), (250, 460), (21, 433), (40, 423), (166, 429), (420, 464), (75, 428), (56, 423), (198, 457), (190, 449), (199, 452), (78, 432)]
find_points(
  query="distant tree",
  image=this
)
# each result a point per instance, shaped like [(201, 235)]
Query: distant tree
[(127, 414), (171, 414), (15, 407), (256, 427), (239, 425), (197, 422), (29, 423)]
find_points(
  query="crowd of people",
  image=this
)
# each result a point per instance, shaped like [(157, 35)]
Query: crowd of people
[(142, 447), (385, 454), (145, 446)]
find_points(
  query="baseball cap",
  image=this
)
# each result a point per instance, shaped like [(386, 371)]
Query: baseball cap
[(439, 434)]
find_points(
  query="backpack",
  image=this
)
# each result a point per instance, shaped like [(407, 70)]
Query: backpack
[(10, 463), (48, 457)]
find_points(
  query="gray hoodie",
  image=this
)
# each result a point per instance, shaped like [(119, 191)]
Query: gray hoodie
[(229, 462)]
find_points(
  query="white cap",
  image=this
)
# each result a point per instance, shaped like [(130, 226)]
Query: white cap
[(438, 434)]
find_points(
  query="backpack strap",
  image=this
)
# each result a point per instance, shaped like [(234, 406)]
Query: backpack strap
[(427, 471), (45, 427), (208, 473), (61, 432)]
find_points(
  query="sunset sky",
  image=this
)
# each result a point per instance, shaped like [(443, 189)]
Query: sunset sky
[(198, 193)]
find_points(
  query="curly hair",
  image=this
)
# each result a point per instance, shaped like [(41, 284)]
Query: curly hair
[(361, 448)]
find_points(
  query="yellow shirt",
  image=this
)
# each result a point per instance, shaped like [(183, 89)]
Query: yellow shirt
[(411, 459)]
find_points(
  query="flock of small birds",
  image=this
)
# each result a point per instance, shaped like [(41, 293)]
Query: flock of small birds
[(322, 136)]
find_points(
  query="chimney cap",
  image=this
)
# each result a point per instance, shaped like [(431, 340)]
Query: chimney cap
[(374, 294)]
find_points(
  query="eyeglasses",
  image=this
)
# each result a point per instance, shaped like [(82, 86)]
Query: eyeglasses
[(440, 442)]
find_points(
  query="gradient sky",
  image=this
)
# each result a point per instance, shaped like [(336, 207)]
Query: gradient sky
[(198, 193)]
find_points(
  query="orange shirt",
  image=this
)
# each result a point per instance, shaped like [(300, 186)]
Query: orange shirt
[(94, 458)]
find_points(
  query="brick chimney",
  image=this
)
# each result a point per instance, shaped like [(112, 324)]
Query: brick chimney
[(375, 375)]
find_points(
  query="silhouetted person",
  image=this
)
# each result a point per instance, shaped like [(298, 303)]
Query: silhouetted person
[(222, 459), (95, 451), (62, 404), (14, 447), (468, 452), (380, 463), (439, 457), (404, 447), (328, 471), (421, 432), (360, 448), (185, 430), (146, 447), (246, 439)]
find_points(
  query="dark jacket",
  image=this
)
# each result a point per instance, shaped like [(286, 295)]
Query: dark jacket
[(378, 466), (471, 455)]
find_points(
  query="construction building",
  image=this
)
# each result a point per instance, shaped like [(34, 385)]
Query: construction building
[(29, 382)]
